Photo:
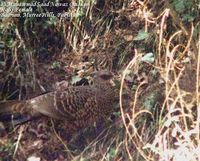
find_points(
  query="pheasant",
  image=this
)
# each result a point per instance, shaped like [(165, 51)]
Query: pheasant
[(78, 106)]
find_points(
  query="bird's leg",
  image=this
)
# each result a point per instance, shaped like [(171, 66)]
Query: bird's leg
[(14, 119), (21, 120), (78, 140), (100, 124)]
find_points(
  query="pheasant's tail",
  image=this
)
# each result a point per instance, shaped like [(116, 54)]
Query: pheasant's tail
[(12, 111), (11, 106)]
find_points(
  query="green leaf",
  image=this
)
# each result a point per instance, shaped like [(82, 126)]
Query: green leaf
[(112, 152), (9, 41), (179, 5), (2, 45), (2, 63), (117, 114), (75, 79), (188, 18), (141, 35), (127, 72), (56, 64), (149, 57)]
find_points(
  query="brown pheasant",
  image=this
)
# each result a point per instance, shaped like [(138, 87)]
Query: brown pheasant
[(79, 106)]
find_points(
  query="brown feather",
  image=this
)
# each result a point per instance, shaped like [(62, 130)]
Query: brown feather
[(79, 106)]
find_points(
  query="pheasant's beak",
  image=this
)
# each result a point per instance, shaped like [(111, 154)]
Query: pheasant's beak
[(92, 74), (112, 83)]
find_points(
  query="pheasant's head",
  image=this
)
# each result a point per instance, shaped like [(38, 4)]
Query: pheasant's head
[(105, 91), (102, 77)]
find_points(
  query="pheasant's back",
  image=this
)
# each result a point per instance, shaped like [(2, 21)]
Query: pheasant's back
[(79, 106)]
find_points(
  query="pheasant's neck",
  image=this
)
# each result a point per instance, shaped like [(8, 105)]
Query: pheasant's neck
[(102, 85), (106, 90)]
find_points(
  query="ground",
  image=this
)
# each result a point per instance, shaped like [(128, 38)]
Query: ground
[(151, 47)]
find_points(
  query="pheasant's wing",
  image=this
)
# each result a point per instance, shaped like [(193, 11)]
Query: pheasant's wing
[(69, 104), (77, 103)]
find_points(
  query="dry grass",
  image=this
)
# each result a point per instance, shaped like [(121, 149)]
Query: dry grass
[(177, 134), (165, 130)]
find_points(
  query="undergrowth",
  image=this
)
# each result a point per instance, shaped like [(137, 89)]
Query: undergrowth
[(152, 47)]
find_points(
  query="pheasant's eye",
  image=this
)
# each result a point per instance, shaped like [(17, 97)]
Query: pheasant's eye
[(106, 76)]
